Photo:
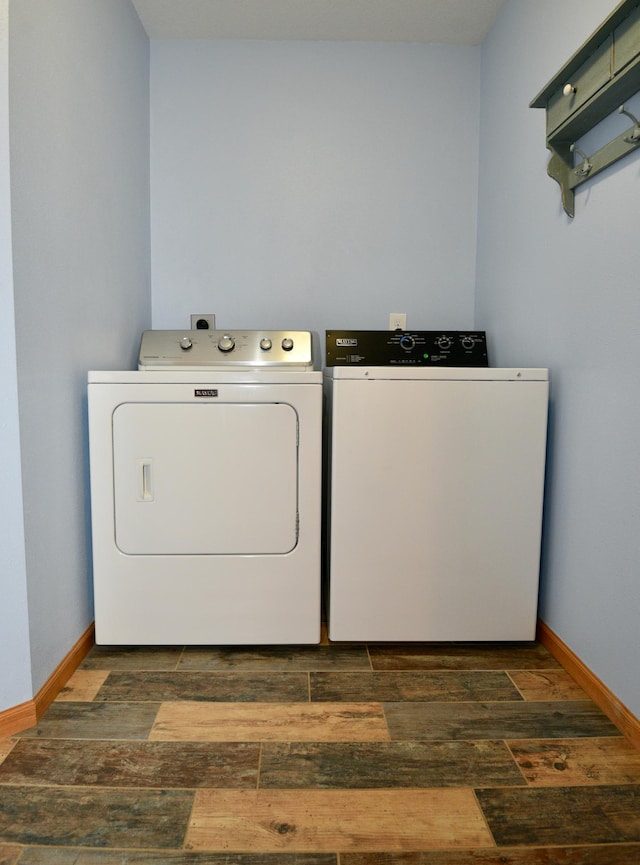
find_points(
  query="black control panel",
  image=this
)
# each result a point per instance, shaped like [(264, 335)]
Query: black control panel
[(406, 348)]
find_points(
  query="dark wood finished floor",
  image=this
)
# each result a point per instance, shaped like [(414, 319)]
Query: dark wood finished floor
[(326, 755)]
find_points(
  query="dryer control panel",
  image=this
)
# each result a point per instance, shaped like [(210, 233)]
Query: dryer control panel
[(406, 348), (225, 349)]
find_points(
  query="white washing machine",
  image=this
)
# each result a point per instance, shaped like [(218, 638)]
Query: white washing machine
[(206, 491), (436, 477)]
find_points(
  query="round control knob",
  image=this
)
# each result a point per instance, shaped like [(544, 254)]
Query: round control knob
[(226, 343), (185, 343), (407, 342), (467, 343), (265, 344), (568, 90), (287, 343), (444, 343)]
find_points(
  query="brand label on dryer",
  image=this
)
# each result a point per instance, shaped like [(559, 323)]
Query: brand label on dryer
[(205, 392), (343, 341)]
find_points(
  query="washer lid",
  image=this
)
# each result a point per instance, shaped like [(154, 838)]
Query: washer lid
[(449, 373)]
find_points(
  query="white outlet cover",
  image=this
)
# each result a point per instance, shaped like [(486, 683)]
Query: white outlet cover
[(397, 321), (207, 316)]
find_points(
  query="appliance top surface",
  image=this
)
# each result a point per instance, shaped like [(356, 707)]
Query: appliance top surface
[(226, 350), (442, 373), (206, 377)]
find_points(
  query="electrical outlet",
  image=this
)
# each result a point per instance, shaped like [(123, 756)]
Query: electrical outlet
[(204, 321), (397, 321)]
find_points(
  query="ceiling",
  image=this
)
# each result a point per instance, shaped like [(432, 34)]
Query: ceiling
[(459, 22)]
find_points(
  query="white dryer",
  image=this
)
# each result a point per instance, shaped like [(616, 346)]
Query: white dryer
[(206, 491)]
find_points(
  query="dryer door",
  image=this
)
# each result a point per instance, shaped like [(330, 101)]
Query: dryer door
[(210, 479)]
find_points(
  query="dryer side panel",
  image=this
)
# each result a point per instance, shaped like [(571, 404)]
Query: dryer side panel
[(205, 479)]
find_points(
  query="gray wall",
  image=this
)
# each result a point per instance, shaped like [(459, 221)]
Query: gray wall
[(79, 133), (15, 679), (313, 185), (566, 294)]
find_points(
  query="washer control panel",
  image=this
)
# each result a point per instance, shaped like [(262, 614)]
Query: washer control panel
[(225, 349), (406, 348)]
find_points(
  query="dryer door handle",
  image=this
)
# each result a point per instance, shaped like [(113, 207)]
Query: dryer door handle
[(144, 480)]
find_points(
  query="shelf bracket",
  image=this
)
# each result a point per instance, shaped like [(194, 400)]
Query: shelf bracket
[(559, 168), (592, 84)]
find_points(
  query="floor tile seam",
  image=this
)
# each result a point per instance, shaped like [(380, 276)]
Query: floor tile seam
[(351, 740), (321, 669), (551, 788), (315, 699), (188, 823), (273, 703), (225, 671), (518, 766), (505, 851), (102, 671), (487, 703), (516, 687), (142, 741), (463, 669), (259, 769), (80, 739), (117, 788), (523, 702), (183, 699), (328, 791), (102, 701), (297, 791), (14, 741), (485, 819), (313, 695), (469, 740), (417, 671), (412, 700), (369, 658), (337, 792), (180, 657), (556, 668), (345, 791), (339, 860), (498, 738), (565, 738)]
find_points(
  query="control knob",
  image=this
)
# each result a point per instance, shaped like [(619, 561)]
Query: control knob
[(265, 344), (226, 343), (467, 343), (444, 342), (407, 342), (185, 343), (287, 343)]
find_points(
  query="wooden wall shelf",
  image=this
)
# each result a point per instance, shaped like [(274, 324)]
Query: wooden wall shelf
[(592, 84)]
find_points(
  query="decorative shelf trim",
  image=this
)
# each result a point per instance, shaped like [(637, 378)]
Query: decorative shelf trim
[(592, 84)]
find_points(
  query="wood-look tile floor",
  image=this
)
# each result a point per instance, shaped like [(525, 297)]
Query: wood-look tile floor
[(325, 755)]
